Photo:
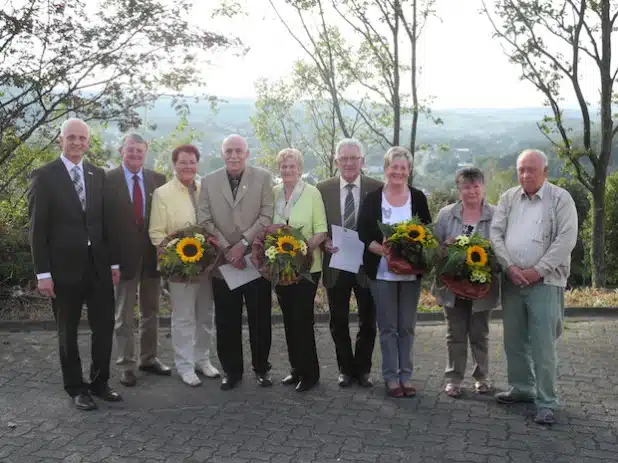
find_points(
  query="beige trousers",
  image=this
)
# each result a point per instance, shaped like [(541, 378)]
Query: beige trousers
[(193, 314), (126, 293)]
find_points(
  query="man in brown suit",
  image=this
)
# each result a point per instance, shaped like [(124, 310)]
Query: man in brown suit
[(342, 197), (128, 197), (236, 203)]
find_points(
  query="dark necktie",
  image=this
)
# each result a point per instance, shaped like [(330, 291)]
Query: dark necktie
[(138, 202), (349, 217), (234, 182)]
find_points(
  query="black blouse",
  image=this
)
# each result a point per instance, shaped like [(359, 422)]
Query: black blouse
[(370, 213)]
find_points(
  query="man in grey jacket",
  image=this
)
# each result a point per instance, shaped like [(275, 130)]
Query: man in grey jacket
[(533, 233)]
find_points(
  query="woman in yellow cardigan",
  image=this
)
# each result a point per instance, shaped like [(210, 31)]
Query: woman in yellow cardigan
[(299, 204), (174, 208)]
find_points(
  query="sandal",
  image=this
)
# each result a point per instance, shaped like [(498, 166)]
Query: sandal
[(453, 390), (394, 391), (408, 389), (481, 387)]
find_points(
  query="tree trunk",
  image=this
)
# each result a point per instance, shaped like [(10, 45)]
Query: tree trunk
[(597, 253), (414, 126), (396, 79)]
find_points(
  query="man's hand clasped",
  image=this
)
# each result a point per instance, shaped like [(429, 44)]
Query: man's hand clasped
[(523, 277), (236, 255)]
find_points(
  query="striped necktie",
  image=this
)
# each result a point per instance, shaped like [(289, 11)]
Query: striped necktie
[(349, 216), (79, 187)]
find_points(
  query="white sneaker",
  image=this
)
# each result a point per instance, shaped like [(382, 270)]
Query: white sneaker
[(190, 378), (207, 369)]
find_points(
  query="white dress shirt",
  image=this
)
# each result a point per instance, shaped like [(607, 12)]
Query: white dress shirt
[(343, 193)]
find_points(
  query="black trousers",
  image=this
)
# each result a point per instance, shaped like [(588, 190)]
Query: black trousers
[(351, 363), (257, 297), (297, 303), (98, 293)]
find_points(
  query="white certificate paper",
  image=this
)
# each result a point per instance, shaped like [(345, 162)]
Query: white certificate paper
[(350, 254), (236, 278)]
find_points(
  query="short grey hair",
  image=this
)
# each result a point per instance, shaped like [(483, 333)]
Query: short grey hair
[(539, 153), (234, 135), (469, 174), (349, 142), (398, 152), (136, 137), (70, 120), (290, 153)]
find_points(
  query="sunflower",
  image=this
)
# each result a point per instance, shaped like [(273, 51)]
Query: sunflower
[(416, 232), (287, 245), (190, 250), (476, 256)]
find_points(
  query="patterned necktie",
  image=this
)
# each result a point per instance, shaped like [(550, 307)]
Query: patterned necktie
[(138, 201), (79, 187), (349, 219)]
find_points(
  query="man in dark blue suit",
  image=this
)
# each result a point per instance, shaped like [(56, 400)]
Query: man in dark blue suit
[(72, 260)]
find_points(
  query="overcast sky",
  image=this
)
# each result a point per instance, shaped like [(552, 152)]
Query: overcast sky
[(463, 67)]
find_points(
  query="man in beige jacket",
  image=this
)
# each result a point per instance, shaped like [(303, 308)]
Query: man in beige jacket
[(533, 233), (236, 203)]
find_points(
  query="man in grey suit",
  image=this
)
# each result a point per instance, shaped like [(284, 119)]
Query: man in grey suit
[(342, 196), (128, 197), (236, 203)]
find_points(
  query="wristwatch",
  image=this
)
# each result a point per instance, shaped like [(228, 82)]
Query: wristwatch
[(244, 241)]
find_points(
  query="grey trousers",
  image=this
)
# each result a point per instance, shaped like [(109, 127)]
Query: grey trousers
[(463, 325), (126, 297), (396, 303)]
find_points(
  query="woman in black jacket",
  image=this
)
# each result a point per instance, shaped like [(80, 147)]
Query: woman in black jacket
[(396, 296)]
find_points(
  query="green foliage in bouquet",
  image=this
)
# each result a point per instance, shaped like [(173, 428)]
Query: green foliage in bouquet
[(412, 240), (469, 258), (187, 254)]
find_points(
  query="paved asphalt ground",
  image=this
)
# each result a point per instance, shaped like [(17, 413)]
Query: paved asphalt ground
[(164, 420)]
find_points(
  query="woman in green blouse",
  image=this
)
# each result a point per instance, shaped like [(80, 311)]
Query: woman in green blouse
[(299, 204)]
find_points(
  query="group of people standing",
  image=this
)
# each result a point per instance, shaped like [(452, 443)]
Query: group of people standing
[(95, 234)]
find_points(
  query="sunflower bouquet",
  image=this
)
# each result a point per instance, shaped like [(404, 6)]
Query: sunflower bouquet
[(187, 254), (410, 247), (467, 266), (281, 255)]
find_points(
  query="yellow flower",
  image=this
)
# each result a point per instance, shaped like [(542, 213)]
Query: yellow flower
[(416, 232), (476, 256), (287, 245), (190, 250)]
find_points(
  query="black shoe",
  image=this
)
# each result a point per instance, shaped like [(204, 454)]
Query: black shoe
[(156, 367), (290, 380), (107, 394), (228, 383), (305, 385), (128, 378), (84, 401), (365, 380), (344, 380), (264, 380)]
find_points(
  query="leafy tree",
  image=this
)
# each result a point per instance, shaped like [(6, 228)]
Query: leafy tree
[(556, 44), (580, 261), (440, 198), (98, 61), (334, 69)]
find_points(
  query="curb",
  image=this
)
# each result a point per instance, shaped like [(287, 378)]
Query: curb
[(16, 326)]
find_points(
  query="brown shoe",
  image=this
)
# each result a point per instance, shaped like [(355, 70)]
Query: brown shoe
[(128, 378)]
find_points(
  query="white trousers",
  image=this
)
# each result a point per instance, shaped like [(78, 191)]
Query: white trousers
[(193, 312)]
